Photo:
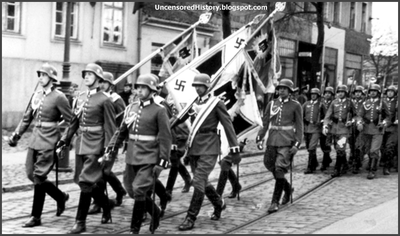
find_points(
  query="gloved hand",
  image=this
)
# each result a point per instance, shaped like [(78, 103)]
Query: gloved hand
[(325, 130), (60, 144), (396, 122), (236, 158), (13, 140), (157, 170), (348, 123), (293, 150), (359, 127), (382, 124), (259, 142)]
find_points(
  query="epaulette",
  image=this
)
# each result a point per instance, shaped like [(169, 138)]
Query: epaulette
[(159, 104), (295, 101), (107, 94), (82, 93), (115, 97)]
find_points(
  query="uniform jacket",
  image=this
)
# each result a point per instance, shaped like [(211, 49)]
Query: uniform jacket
[(145, 118), (93, 109), (339, 112), (46, 106), (119, 106), (312, 115), (357, 104), (369, 115), (283, 113), (392, 107), (206, 141)]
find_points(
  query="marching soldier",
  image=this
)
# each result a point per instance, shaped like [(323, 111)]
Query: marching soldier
[(312, 128), (325, 140), (180, 133), (94, 123), (284, 120), (109, 176), (390, 137), (203, 148), (371, 127), (47, 106), (147, 126), (340, 114), (354, 138)]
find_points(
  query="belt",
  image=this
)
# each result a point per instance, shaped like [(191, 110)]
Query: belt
[(46, 124), (289, 127), (90, 128), (204, 131), (141, 137)]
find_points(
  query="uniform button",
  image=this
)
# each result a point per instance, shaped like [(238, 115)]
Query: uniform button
[(141, 107), (136, 130)]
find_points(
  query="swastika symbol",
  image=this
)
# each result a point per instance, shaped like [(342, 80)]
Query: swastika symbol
[(239, 42), (180, 85)]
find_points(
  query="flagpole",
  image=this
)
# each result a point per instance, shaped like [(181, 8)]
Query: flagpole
[(203, 19)]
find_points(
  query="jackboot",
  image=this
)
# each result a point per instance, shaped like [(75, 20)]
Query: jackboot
[(338, 165), (345, 165), (326, 161), (81, 215), (276, 196), (105, 203), (216, 200), (223, 177), (39, 196), (193, 211), (314, 160), (236, 187), (165, 197), (369, 164), (309, 165), (150, 207), (373, 168), (173, 174), (357, 162), (186, 177), (60, 197), (116, 185), (139, 209), (288, 189)]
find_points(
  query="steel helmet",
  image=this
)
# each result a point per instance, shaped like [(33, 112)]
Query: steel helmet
[(359, 88), (316, 91), (286, 83), (330, 90), (147, 79), (108, 77), (392, 88), (49, 70), (96, 69), (341, 87), (202, 79), (375, 87)]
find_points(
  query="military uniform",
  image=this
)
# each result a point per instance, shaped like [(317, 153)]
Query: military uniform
[(203, 153), (47, 108), (368, 119), (146, 124), (94, 125), (325, 141), (340, 111), (312, 131), (354, 138), (284, 120), (390, 137)]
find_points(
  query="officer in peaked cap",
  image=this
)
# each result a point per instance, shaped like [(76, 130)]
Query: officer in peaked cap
[(146, 124), (94, 123), (203, 148), (47, 106), (371, 127), (390, 137), (339, 114), (284, 120), (109, 176), (312, 128)]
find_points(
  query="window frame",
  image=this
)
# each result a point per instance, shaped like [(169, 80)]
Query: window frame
[(17, 17), (122, 32), (75, 26)]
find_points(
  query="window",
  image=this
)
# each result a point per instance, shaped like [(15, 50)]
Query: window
[(11, 15), (113, 22), (364, 17), (156, 61), (352, 15), (336, 12), (287, 52), (61, 20)]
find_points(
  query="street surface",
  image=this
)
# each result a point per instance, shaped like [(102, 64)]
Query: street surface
[(322, 205)]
